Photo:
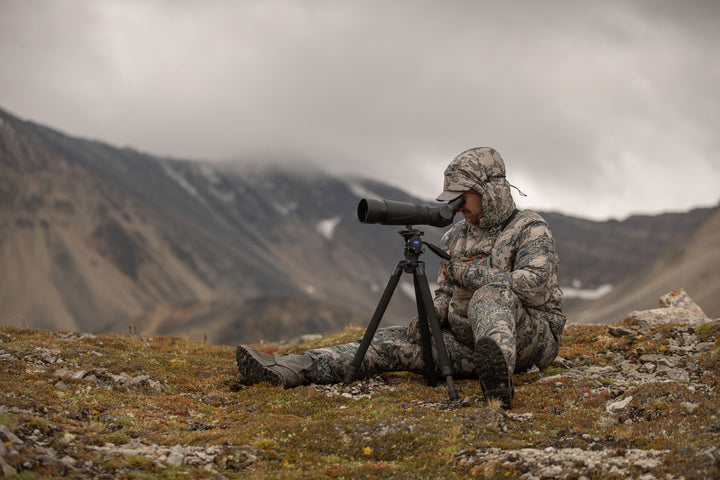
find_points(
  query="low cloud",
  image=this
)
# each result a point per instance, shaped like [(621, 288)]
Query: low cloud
[(600, 109)]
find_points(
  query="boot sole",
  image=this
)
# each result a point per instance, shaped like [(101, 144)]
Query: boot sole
[(493, 372), (254, 367)]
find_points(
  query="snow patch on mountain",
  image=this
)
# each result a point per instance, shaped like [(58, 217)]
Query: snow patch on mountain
[(408, 289), (182, 181), (587, 293), (210, 173), (326, 227), (361, 191), (285, 209)]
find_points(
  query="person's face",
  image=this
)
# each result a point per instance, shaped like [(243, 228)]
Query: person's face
[(472, 210)]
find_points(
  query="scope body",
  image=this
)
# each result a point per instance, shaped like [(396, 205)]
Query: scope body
[(390, 212)]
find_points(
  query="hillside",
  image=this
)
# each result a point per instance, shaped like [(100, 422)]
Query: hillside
[(96, 238), (636, 260), (100, 239), (692, 263), (633, 399)]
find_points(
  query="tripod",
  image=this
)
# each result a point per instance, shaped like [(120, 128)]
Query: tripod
[(427, 318)]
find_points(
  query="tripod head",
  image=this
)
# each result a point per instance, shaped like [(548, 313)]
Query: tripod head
[(413, 247)]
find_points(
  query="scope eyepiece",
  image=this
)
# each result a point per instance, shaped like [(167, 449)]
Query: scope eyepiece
[(389, 212)]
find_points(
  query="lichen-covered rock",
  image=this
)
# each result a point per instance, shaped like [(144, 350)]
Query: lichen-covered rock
[(675, 307), (680, 299)]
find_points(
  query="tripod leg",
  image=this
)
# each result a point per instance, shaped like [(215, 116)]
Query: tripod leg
[(423, 324), (443, 359), (374, 323)]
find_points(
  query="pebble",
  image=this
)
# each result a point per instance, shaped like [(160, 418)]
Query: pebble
[(678, 362)]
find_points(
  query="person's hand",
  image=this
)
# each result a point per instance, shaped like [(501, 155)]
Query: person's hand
[(458, 270), (473, 273)]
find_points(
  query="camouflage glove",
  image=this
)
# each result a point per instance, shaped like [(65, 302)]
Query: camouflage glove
[(473, 273), (457, 269)]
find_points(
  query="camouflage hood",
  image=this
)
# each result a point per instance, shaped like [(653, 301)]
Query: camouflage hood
[(481, 170)]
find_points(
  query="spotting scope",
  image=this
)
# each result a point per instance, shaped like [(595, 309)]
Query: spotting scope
[(389, 212)]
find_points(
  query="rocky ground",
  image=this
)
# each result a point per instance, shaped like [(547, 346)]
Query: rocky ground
[(599, 455), (618, 381), (637, 399)]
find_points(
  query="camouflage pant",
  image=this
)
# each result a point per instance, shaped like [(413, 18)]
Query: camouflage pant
[(523, 334)]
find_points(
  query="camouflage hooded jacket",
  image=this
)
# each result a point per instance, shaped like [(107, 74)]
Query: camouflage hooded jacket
[(507, 246)]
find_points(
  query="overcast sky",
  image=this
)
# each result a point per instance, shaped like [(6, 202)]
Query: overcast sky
[(600, 108)]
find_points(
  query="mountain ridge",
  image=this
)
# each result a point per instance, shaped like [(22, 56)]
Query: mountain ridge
[(165, 231), (98, 238)]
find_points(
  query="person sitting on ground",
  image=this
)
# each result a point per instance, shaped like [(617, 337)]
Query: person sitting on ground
[(498, 300)]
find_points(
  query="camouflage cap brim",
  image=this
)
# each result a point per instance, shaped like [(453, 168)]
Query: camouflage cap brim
[(448, 195)]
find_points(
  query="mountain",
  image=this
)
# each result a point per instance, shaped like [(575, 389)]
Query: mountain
[(611, 268), (690, 263), (96, 238)]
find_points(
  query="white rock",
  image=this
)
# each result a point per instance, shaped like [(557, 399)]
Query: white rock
[(619, 405), (177, 455)]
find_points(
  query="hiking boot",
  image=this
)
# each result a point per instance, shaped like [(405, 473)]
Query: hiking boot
[(286, 371), (495, 379)]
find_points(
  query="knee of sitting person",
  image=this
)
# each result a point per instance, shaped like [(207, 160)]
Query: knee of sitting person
[(499, 293)]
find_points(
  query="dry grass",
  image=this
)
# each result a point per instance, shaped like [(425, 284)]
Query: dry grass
[(407, 430)]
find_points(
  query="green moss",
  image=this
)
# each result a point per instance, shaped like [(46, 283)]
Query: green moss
[(7, 420), (709, 331), (23, 476), (118, 438), (409, 431)]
